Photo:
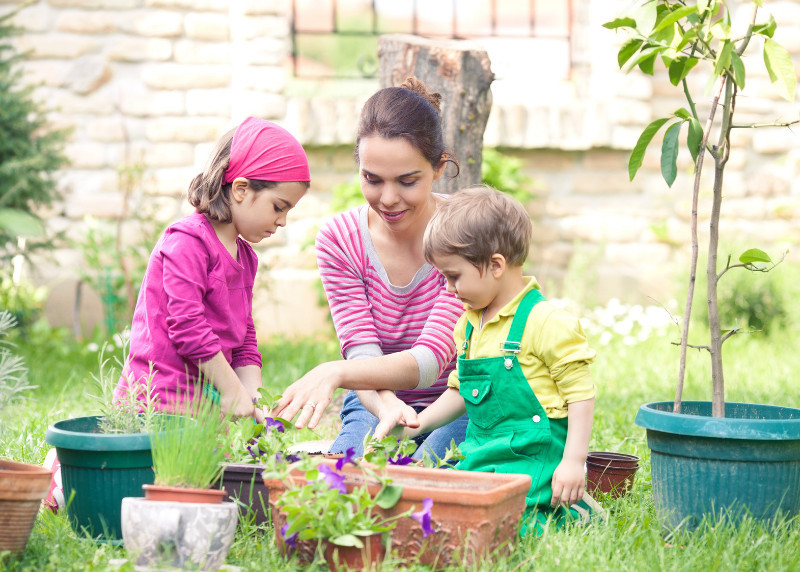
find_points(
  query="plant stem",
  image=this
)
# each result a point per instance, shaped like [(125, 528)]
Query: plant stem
[(676, 407)]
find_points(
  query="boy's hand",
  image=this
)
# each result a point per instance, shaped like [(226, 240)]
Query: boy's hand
[(394, 415), (568, 483)]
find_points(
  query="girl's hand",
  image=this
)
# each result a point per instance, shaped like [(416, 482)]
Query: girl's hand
[(393, 415), (568, 483), (241, 405), (310, 396)]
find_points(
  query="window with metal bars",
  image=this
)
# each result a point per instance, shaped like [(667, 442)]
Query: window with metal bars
[(339, 38)]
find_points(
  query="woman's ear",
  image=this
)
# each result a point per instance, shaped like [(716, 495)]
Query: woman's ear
[(239, 188), (439, 171), (497, 265)]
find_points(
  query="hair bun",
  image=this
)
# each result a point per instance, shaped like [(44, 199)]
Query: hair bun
[(419, 88)]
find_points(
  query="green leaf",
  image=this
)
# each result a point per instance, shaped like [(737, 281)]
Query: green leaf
[(723, 58), (754, 255), (637, 155), (683, 113), (17, 222), (620, 23), (702, 6), (780, 68), (346, 540), (647, 65), (675, 16), (738, 70), (669, 153), (627, 50), (721, 30), (680, 68), (694, 138), (766, 30), (388, 496)]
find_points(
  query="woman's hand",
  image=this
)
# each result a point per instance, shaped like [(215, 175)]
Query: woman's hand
[(394, 413), (310, 395), (568, 483)]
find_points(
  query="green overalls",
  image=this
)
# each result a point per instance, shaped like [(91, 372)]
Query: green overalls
[(509, 431)]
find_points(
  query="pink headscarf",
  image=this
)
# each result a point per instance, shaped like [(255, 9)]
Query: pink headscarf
[(264, 151)]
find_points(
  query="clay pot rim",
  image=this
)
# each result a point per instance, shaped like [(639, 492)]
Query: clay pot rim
[(611, 468), (183, 494), (612, 456)]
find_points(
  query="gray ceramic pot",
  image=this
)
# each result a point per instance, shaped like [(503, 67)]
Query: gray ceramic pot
[(165, 533)]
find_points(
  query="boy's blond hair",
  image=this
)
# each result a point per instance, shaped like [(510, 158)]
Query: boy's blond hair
[(477, 222)]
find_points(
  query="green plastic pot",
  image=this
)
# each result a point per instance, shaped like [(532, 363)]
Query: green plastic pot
[(746, 463), (98, 470)]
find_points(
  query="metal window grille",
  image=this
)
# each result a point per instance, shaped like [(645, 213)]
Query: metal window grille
[(339, 38)]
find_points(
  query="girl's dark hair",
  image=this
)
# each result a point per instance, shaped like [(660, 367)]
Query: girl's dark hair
[(208, 195), (410, 112)]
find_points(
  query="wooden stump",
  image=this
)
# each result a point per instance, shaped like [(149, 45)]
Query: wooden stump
[(461, 72)]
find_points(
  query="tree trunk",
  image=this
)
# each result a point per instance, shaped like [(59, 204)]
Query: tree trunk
[(461, 72)]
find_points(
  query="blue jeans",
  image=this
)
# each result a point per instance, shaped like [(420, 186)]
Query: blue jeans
[(357, 422)]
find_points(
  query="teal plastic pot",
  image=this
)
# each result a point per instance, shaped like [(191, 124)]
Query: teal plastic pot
[(100, 470), (746, 463)]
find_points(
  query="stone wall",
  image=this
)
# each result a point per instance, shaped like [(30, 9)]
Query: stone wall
[(148, 85)]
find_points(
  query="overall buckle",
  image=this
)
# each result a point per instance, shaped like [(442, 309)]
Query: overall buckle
[(510, 347)]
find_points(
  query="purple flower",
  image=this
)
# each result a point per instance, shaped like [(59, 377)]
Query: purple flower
[(400, 460), (348, 458), (290, 540), (424, 517), (334, 479), (271, 423), (289, 458)]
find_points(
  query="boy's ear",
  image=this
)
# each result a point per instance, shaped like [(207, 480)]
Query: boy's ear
[(497, 265), (238, 189)]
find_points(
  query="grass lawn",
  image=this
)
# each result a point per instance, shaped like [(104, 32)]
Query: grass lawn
[(627, 373)]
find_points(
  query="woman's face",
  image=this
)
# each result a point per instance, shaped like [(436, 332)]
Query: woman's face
[(397, 181)]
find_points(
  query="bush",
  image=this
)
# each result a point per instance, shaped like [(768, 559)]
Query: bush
[(30, 153)]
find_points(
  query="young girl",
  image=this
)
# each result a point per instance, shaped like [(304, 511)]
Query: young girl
[(193, 318)]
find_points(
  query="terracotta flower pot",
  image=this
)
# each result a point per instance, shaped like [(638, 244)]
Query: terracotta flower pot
[(243, 482), (183, 494), (607, 478), (473, 513), (352, 558), (22, 488), (612, 459)]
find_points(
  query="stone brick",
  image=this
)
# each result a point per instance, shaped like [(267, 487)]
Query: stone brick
[(258, 104), (266, 51), (130, 49), (142, 103), (263, 78), (55, 46), (191, 52), (289, 306), (32, 19), (96, 4), (601, 182), (85, 22), (261, 8), (260, 27), (160, 23), (88, 74), (154, 155), (106, 129), (98, 103), (606, 160), (103, 180), (197, 5), (634, 254), (606, 228), (208, 102), (188, 129), (745, 207), (86, 155), (786, 208), (546, 160), (200, 26), (176, 76), (774, 140), (47, 73), (172, 181), (100, 205)]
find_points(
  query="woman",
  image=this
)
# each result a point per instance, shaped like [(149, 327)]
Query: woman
[(392, 313)]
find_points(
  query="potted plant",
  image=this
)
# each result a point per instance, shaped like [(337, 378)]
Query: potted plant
[(253, 447), (105, 457), (696, 446), (181, 521), (470, 513)]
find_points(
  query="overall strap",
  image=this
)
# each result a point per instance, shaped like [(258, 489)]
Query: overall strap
[(520, 319)]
